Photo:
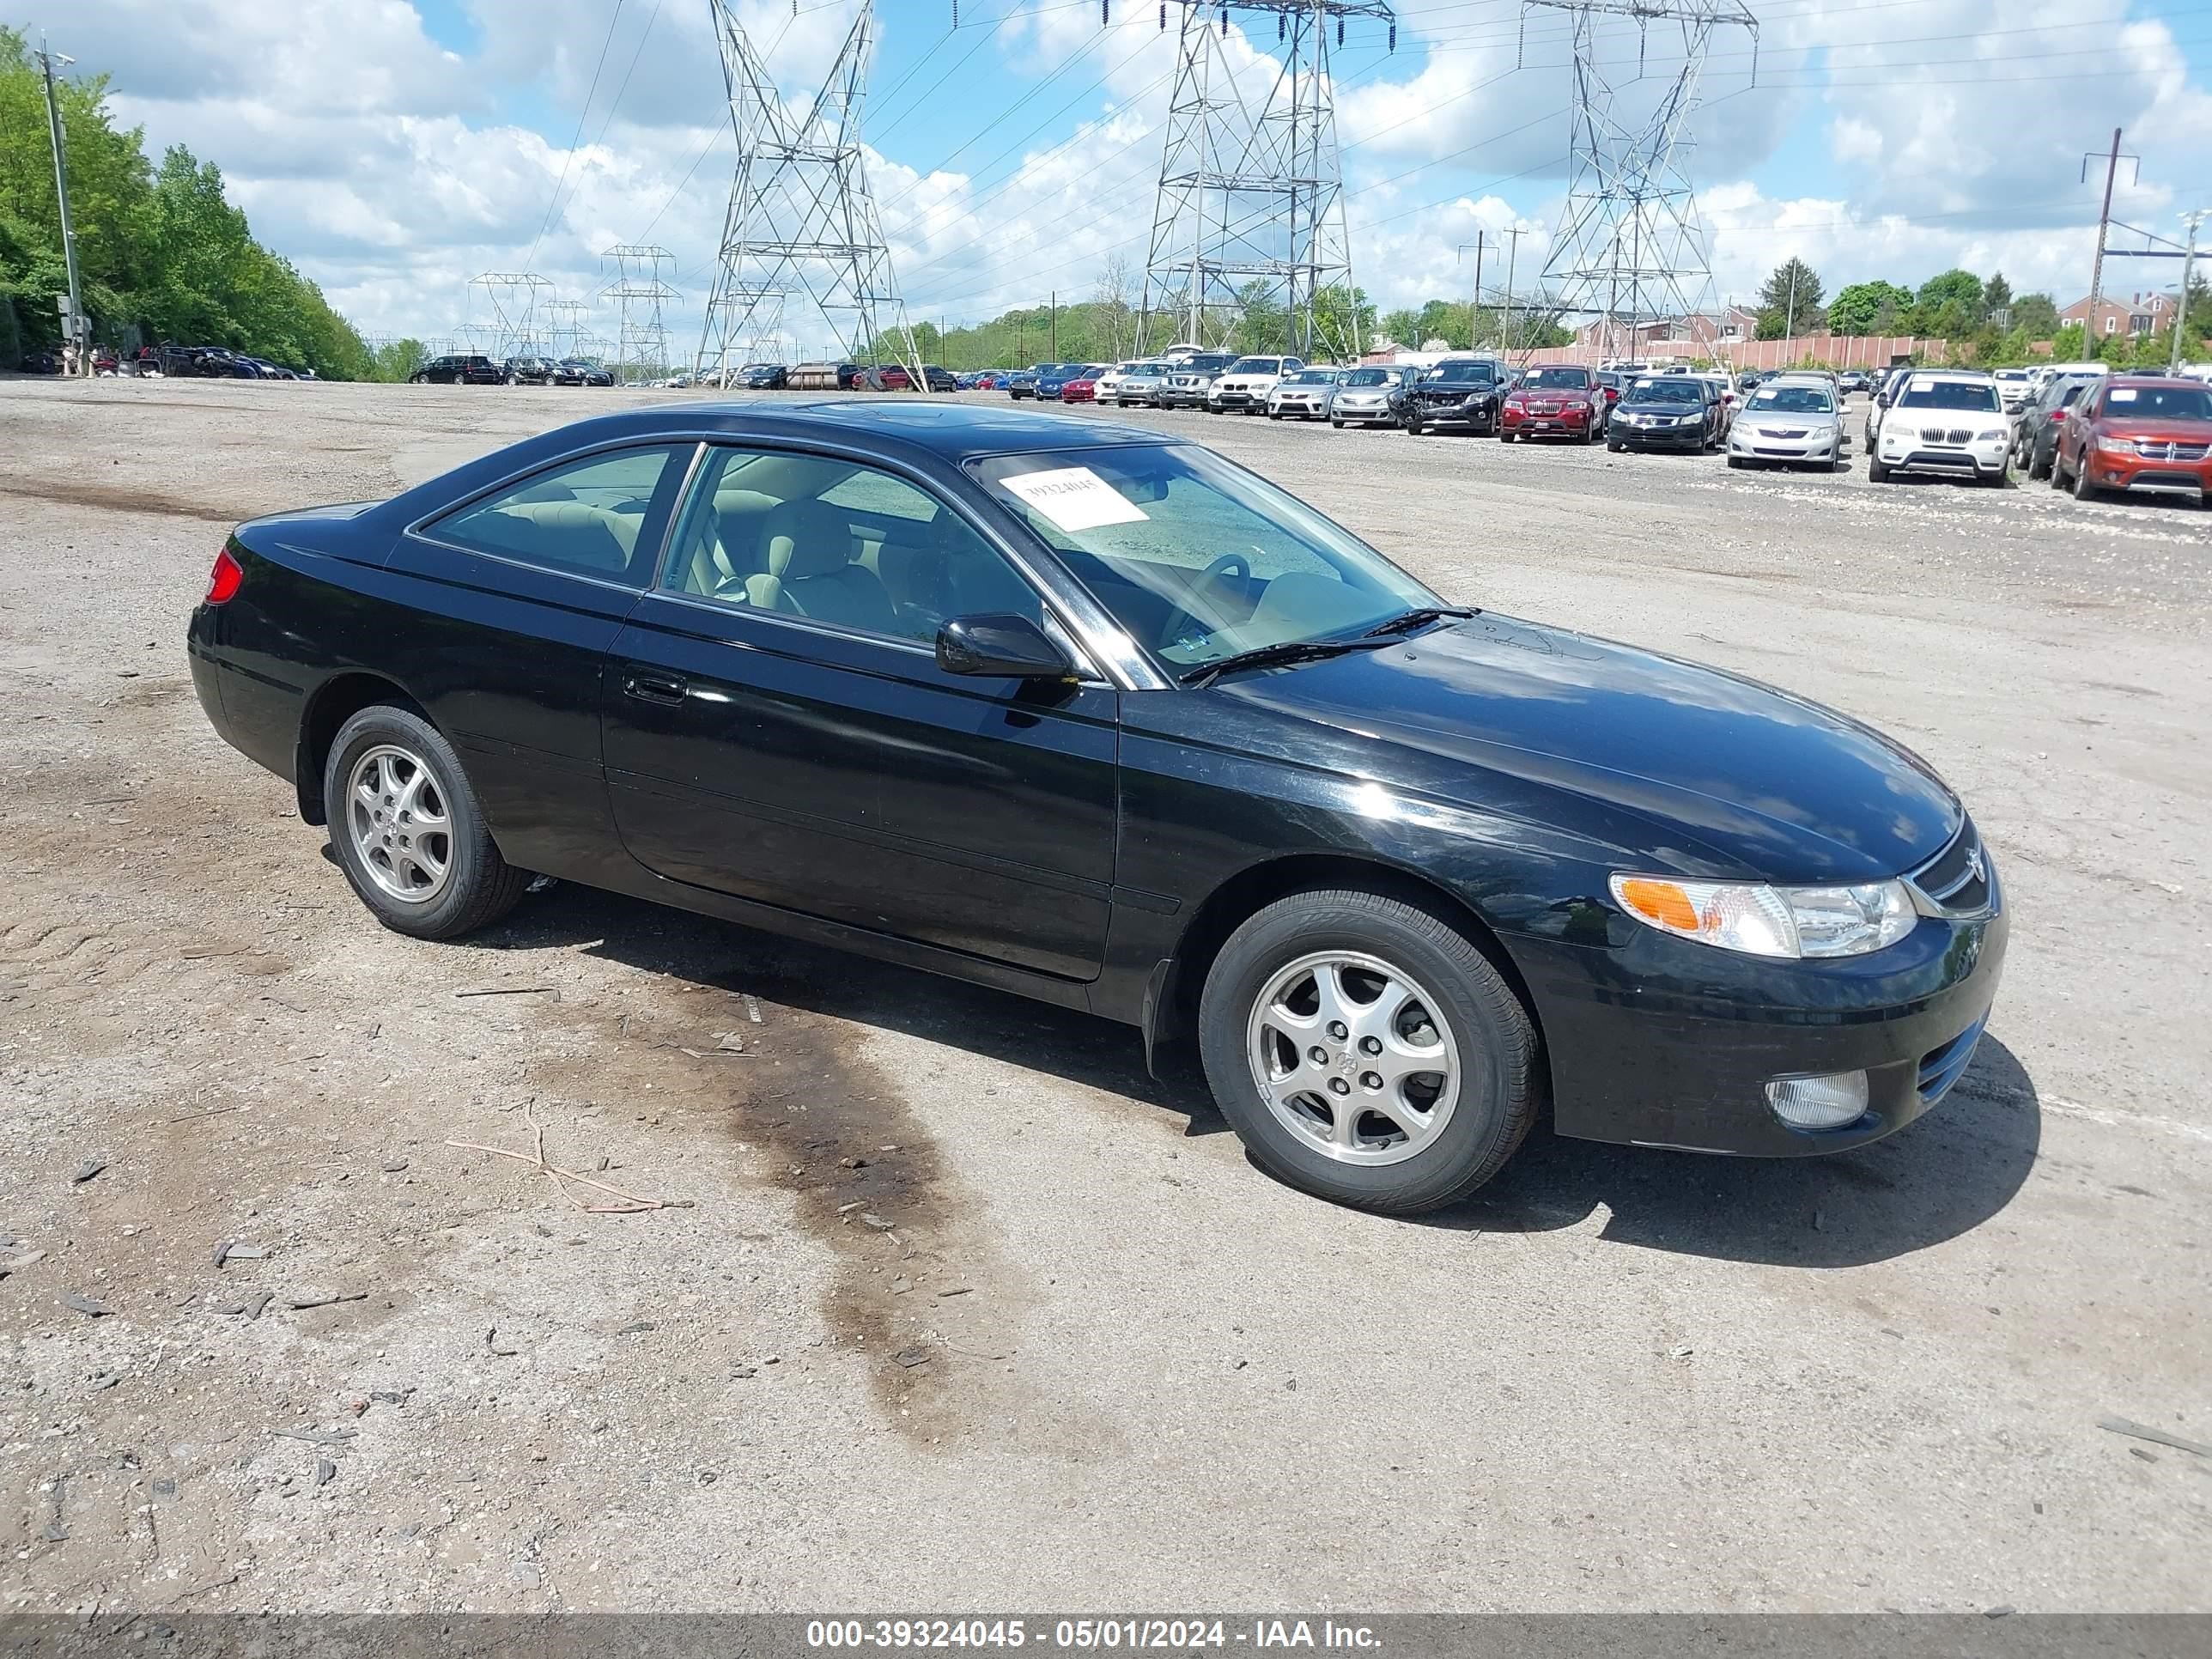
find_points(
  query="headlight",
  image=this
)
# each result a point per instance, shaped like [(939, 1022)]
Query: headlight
[(2116, 446), (1760, 921)]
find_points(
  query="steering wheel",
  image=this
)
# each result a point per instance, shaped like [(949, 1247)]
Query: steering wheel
[(1228, 565)]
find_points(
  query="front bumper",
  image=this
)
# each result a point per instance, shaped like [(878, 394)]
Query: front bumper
[(1984, 462), (1564, 422), (1471, 417), (1377, 410), (2135, 472), (1816, 445), (1079, 394), (1306, 408), (1655, 437), (1239, 401), (1660, 1042), (1177, 397)]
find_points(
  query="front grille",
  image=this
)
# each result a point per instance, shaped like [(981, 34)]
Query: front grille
[(1944, 1064), (1782, 432), (1956, 881), (2151, 450)]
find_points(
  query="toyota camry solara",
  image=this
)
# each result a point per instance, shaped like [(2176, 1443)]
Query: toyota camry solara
[(1098, 717)]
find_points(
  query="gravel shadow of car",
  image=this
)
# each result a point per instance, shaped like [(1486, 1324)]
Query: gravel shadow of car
[(1933, 1180), (1098, 1054), (1936, 1178)]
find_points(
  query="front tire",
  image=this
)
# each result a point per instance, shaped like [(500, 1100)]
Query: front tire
[(1876, 472), (407, 830), (1427, 1080)]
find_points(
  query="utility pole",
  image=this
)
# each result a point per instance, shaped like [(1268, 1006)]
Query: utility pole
[(2104, 223), (2188, 270), (1512, 264), (1055, 325), (76, 330), (1789, 318), (1471, 316)]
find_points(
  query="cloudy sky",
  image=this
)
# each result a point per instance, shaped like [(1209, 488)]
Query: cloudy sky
[(395, 148)]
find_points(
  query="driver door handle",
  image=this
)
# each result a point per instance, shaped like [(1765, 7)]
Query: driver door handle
[(650, 685)]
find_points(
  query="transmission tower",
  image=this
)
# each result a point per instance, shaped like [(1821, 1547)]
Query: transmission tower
[(801, 220), (1251, 196), (638, 288), (1630, 248), (564, 326), (514, 297)]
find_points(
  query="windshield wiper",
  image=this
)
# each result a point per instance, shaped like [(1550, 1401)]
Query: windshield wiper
[(1406, 620), (1273, 656)]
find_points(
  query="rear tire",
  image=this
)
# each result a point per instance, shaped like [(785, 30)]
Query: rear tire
[(1481, 1098), (473, 885)]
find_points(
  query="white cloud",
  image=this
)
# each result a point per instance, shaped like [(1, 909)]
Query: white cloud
[(1888, 137)]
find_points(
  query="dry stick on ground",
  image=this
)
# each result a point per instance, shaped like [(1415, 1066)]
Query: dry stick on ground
[(631, 1204)]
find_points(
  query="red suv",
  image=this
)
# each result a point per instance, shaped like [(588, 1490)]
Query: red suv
[(2137, 432), (1557, 402)]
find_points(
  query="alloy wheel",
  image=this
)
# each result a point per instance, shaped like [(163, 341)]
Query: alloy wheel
[(1354, 1057), (401, 826)]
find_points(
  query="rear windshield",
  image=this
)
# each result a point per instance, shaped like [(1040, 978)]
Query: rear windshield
[(2159, 403), (1665, 391), (1464, 368), (1792, 400), (1973, 395)]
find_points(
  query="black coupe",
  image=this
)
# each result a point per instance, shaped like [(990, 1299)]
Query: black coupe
[(1096, 716)]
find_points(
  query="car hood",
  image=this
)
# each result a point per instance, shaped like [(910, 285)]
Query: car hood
[(1741, 778)]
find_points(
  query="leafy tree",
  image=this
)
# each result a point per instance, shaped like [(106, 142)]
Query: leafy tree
[(1961, 289), (163, 251), (1340, 315), (1403, 327), (397, 360), (2038, 314), (2070, 343), (1997, 293), (1793, 293), (1263, 322), (1864, 308)]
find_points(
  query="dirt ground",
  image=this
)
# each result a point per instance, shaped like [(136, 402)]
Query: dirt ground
[(952, 1307)]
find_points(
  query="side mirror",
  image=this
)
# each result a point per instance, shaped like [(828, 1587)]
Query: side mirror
[(1000, 647), (1881, 400)]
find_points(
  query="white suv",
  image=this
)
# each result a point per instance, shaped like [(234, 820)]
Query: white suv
[(1944, 421), (1245, 385)]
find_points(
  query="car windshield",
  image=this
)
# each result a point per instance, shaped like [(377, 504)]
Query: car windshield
[(2159, 402), (1463, 368), (1313, 377), (1558, 379), (1256, 365), (1978, 395), (1370, 377), (1665, 391), (1193, 555), (1792, 400)]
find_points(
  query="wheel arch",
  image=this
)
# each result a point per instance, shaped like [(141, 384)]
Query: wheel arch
[(1171, 1009), (334, 702)]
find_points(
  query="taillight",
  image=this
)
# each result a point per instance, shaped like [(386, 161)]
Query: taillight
[(223, 580), (2057, 414)]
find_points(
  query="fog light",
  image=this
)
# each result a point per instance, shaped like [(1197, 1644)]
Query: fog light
[(1818, 1102)]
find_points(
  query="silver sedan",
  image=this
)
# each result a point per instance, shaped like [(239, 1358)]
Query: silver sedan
[(1794, 424), (1362, 395)]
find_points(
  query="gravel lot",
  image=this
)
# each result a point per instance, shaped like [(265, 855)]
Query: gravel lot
[(1096, 1361)]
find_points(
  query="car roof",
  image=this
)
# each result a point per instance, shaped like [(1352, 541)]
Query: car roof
[(943, 431)]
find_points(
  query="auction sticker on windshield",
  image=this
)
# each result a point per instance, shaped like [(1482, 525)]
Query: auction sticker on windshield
[(1074, 498)]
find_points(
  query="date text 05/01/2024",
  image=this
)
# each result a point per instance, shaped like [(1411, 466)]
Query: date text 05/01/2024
[(1107, 1635)]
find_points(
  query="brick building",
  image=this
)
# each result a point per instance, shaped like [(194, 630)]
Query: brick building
[(2139, 314)]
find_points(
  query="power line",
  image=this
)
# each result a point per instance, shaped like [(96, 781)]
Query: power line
[(582, 115)]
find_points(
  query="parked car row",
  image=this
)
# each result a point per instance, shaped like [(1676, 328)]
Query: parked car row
[(2084, 428), (476, 368)]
